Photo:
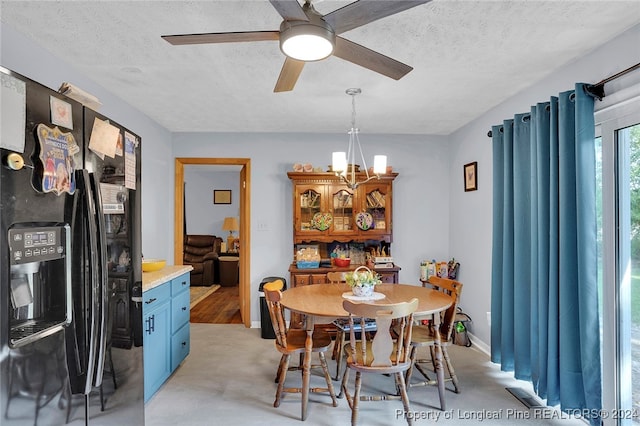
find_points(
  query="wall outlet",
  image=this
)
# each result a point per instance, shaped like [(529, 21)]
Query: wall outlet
[(262, 225), (489, 318)]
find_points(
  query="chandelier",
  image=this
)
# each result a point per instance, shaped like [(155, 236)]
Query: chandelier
[(343, 163)]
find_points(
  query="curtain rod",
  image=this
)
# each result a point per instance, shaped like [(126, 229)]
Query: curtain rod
[(597, 89)]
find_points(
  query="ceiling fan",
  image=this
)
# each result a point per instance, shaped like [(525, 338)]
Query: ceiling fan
[(306, 35)]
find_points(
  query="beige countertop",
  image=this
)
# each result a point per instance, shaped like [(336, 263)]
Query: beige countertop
[(155, 278)]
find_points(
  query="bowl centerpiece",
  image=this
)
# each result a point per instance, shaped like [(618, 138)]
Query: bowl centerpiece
[(362, 281), (152, 265)]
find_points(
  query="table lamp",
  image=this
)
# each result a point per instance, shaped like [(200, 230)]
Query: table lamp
[(230, 224)]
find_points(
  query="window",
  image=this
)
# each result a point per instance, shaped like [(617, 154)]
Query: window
[(619, 248)]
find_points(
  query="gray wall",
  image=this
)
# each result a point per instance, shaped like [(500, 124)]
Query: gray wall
[(204, 217), (471, 212), (420, 224)]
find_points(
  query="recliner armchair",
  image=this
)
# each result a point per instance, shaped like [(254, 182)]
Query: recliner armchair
[(201, 252)]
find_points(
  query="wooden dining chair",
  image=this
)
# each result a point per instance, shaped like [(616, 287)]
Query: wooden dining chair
[(342, 326), (386, 353), (424, 335), (292, 341), (340, 333), (336, 277)]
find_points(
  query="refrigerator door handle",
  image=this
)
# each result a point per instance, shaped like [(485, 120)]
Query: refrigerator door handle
[(103, 288), (84, 185)]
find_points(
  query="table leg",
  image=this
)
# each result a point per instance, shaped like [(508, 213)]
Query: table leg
[(306, 367), (438, 362)]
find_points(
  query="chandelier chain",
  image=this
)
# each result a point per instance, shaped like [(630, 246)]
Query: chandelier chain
[(353, 111)]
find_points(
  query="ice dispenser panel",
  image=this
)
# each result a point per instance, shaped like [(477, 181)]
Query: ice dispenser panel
[(40, 282)]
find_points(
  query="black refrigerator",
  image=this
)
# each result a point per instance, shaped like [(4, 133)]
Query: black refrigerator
[(70, 262)]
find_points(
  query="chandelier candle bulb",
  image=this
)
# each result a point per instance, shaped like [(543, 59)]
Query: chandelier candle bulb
[(379, 164), (339, 161)]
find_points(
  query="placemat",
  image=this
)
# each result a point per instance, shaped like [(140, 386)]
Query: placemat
[(375, 296)]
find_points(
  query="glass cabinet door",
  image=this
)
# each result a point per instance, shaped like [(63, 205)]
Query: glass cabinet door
[(342, 207), (310, 201), (377, 203)]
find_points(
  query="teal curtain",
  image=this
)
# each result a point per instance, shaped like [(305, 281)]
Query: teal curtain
[(544, 300)]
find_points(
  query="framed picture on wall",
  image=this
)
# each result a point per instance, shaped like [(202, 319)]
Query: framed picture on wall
[(221, 196), (471, 176)]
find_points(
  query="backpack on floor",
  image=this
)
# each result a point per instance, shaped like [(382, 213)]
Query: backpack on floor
[(460, 331)]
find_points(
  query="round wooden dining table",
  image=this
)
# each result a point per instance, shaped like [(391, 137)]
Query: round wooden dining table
[(325, 300)]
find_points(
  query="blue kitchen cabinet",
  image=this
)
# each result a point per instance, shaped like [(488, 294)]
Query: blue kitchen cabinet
[(156, 322), (166, 331), (180, 331)]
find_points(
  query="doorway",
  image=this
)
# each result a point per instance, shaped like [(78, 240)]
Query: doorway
[(245, 228)]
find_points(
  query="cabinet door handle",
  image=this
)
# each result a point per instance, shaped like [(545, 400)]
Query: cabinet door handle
[(184, 308), (184, 283), (152, 323), (153, 299), (184, 343), (147, 323)]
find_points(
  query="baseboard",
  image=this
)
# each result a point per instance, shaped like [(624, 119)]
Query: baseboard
[(479, 344), (258, 324)]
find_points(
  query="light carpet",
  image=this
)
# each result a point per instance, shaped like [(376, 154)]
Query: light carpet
[(228, 380), (199, 293)]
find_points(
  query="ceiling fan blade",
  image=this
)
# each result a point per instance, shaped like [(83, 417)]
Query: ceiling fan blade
[(367, 58), (288, 75), (289, 10), (181, 39), (363, 12)]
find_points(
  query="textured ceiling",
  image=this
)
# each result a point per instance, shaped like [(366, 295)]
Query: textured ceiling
[(468, 56)]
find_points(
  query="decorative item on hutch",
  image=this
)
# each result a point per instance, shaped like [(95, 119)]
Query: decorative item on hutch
[(307, 258), (322, 221), (364, 220)]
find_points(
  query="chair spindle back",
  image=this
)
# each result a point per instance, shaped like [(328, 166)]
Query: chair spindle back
[(454, 289), (272, 295), (398, 315)]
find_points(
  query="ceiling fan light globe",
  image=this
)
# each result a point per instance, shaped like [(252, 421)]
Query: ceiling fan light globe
[(306, 41), (307, 48)]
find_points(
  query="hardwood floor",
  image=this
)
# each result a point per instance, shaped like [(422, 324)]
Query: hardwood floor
[(220, 307)]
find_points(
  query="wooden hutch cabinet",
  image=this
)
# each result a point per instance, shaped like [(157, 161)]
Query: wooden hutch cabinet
[(316, 194), (326, 211)]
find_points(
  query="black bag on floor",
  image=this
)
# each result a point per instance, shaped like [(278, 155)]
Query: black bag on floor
[(460, 332)]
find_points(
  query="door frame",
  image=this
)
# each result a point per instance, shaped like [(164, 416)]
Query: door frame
[(245, 225), (616, 360)]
